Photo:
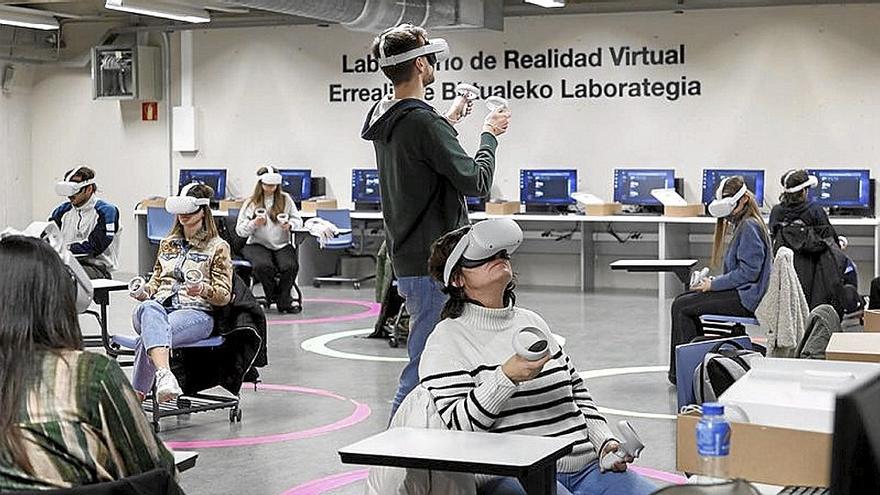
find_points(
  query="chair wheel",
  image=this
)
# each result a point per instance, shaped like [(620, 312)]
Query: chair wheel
[(157, 428), (316, 285), (357, 286), (238, 415), (235, 415), (393, 342), (296, 310)]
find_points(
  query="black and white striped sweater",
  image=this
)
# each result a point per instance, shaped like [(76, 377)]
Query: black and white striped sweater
[(461, 368)]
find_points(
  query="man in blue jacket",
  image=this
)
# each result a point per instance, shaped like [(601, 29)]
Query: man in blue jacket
[(424, 175), (89, 226)]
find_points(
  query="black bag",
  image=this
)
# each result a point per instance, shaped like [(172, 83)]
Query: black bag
[(723, 365)]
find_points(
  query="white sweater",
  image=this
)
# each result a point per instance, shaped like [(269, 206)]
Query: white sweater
[(461, 367), (271, 235)]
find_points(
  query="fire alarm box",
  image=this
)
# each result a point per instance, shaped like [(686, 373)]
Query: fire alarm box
[(126, 73)]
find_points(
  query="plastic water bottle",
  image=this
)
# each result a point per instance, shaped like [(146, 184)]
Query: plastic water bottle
[(713, 441)]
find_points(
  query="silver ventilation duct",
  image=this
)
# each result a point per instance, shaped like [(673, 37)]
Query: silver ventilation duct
[(375, 15)]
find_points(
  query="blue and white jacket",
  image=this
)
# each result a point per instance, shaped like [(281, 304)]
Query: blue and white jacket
[(91, 229)]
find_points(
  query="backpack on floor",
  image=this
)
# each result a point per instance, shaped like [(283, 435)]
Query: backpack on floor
[(721, 366)]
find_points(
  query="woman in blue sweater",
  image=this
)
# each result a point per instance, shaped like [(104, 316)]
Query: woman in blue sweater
[(747, 262)]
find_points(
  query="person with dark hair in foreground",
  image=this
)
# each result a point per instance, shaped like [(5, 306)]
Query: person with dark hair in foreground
[(67, 417), (478, 383)]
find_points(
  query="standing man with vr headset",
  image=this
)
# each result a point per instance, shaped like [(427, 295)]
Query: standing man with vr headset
[(89, 226), (424, 175)]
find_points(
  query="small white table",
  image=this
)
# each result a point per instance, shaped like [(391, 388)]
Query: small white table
[(681, 268), (184, 459), (530, 459)]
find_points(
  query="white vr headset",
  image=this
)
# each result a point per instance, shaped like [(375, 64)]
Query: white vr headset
[(812, 181), (723, 207), (483, 243), (437, 50), (183, 204), (49, 232), (68, 188), (270, 177)]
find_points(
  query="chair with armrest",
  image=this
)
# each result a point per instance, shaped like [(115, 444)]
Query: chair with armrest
[(343, 242)]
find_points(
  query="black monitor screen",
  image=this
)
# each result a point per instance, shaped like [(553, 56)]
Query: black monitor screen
[(216, 178), (297, 183), (365, 186), (547, 187), (855, 445), (474, 200), (634, 186), (842, 188), (712, 177)]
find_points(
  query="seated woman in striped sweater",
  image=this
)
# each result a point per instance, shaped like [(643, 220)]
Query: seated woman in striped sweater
[(478, 383)]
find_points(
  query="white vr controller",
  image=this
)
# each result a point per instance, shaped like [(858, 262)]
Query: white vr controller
[(496, 103), (283, 217), (260, 212), (631, 446), (531, 343), (697, 277), (137, 287), (193, 278)]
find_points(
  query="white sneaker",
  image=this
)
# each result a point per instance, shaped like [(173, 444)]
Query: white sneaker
[(167, 387)]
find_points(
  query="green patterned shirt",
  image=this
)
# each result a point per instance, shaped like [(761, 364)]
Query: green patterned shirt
[(82, 424)]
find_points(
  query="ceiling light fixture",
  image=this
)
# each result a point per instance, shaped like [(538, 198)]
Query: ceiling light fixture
[(27, 18), (165, 10), (547, 3)]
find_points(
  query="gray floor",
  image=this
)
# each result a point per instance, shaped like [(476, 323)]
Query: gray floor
[(602, 331)]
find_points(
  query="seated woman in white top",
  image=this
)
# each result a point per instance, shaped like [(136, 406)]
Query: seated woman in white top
[(479, 383), (266, 219)]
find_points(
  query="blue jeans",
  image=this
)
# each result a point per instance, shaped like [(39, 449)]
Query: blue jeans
[(159, 326), (424, 302), (588, 481)]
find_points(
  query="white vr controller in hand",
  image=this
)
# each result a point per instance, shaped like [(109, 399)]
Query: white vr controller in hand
[(193, 278), (137, 287), (632, 446), (283, 217), (496, 103), (531, 343), (260, 212), (697, 277)]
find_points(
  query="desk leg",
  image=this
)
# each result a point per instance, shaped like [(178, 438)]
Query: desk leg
[(588, 258), (540, 482)]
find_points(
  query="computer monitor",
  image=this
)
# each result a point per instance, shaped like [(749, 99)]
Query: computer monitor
[(547, 187), (841, 188), (365, 186), (297, 183), (475, 203), (633, 186), (712, 177), (855, 445), (214, 177)]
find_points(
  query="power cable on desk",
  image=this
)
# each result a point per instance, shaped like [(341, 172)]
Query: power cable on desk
[(632, 235), (560, 237)]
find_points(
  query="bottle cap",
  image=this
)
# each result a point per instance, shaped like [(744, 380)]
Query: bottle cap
[(713, 409)]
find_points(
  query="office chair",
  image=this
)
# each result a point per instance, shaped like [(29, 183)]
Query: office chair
[(159, 224), (345, 243)]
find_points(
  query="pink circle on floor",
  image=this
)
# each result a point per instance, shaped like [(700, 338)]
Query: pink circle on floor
[(360, 413), (372, 309)]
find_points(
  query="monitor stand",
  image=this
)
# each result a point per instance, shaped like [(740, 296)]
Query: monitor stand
[(361, 206), (546, 209)]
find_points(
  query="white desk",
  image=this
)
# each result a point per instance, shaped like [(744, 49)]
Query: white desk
[(530, 459)]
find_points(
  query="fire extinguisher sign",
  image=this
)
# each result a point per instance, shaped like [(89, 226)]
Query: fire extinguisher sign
[(150, 111)]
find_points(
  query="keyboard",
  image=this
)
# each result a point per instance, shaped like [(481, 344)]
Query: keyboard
[(804, 490)]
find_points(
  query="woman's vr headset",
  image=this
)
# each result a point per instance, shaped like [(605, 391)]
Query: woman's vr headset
[(435, 50), (483, 242), (67, 187), (812, 181), (270, 177), (184, 204), (722, 207)]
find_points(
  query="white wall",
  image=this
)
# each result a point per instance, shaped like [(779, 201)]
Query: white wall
[(781, 88), (15, 150)]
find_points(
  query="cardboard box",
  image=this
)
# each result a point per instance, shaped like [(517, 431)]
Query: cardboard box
[(863, 347), (603, 210), (766, 454), (231, 204), (872, 320), (154, 202), (693, 210), (502, 207), (313, 205)]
